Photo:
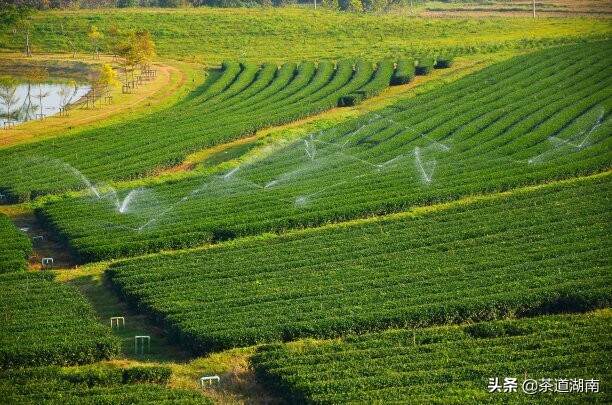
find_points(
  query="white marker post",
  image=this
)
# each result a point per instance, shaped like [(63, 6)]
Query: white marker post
[(139, 342), (209, 379), (117, 321)]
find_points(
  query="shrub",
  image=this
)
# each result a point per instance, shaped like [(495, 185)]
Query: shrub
[(404, 72), (443, 62), (424, 67), (351, 99)]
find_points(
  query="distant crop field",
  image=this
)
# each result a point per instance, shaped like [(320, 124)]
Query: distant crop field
[(446, 266), (450, 364), (212, 35), (532, 119)]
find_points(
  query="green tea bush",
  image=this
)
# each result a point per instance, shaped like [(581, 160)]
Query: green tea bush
[(49, 323), (424, 66), (15, 247), (404, 72), (443, 62), (443, 364)]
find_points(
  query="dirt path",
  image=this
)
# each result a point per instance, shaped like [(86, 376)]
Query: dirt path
[(44, 244), (238, 384)]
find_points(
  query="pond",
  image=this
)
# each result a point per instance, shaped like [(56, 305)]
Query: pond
[(22, 101)]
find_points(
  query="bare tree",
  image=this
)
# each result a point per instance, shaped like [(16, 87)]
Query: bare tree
[(67, 92), (39, 76), (8, 94)]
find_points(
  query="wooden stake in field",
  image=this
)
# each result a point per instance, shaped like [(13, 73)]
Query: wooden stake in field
[(533, 2)]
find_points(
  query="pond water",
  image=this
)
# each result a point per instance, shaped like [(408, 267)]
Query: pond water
[(27, 101)]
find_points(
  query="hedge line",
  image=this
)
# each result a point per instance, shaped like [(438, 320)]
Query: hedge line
[(93, 385)]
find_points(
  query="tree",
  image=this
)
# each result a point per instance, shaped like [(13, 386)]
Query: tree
[(137, 49), (170, 3), (127, 3), (8, 94), (144, 47), (114, 39), (95, 37), (39, 76), (17, 16), (69, 39), (350, 5), (67, 92), (107, 78)]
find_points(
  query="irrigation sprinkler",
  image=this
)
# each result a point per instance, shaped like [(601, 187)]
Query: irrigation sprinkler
[(209, 379), (117, 321), (47, 261), (139, 343)]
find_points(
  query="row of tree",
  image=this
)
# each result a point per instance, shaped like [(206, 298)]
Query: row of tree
[(345, 5)]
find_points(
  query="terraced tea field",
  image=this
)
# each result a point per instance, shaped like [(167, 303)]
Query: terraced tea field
[(449, 364), (447, 266), (532, 119)]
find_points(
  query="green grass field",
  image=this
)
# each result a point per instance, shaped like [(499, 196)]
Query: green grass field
[(293, 34), (316, 207)]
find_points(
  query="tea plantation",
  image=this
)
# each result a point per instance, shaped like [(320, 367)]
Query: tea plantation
[(449, 364), (234, 102), (447, 266), (533, 119), (308, 206), (45, 322)]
